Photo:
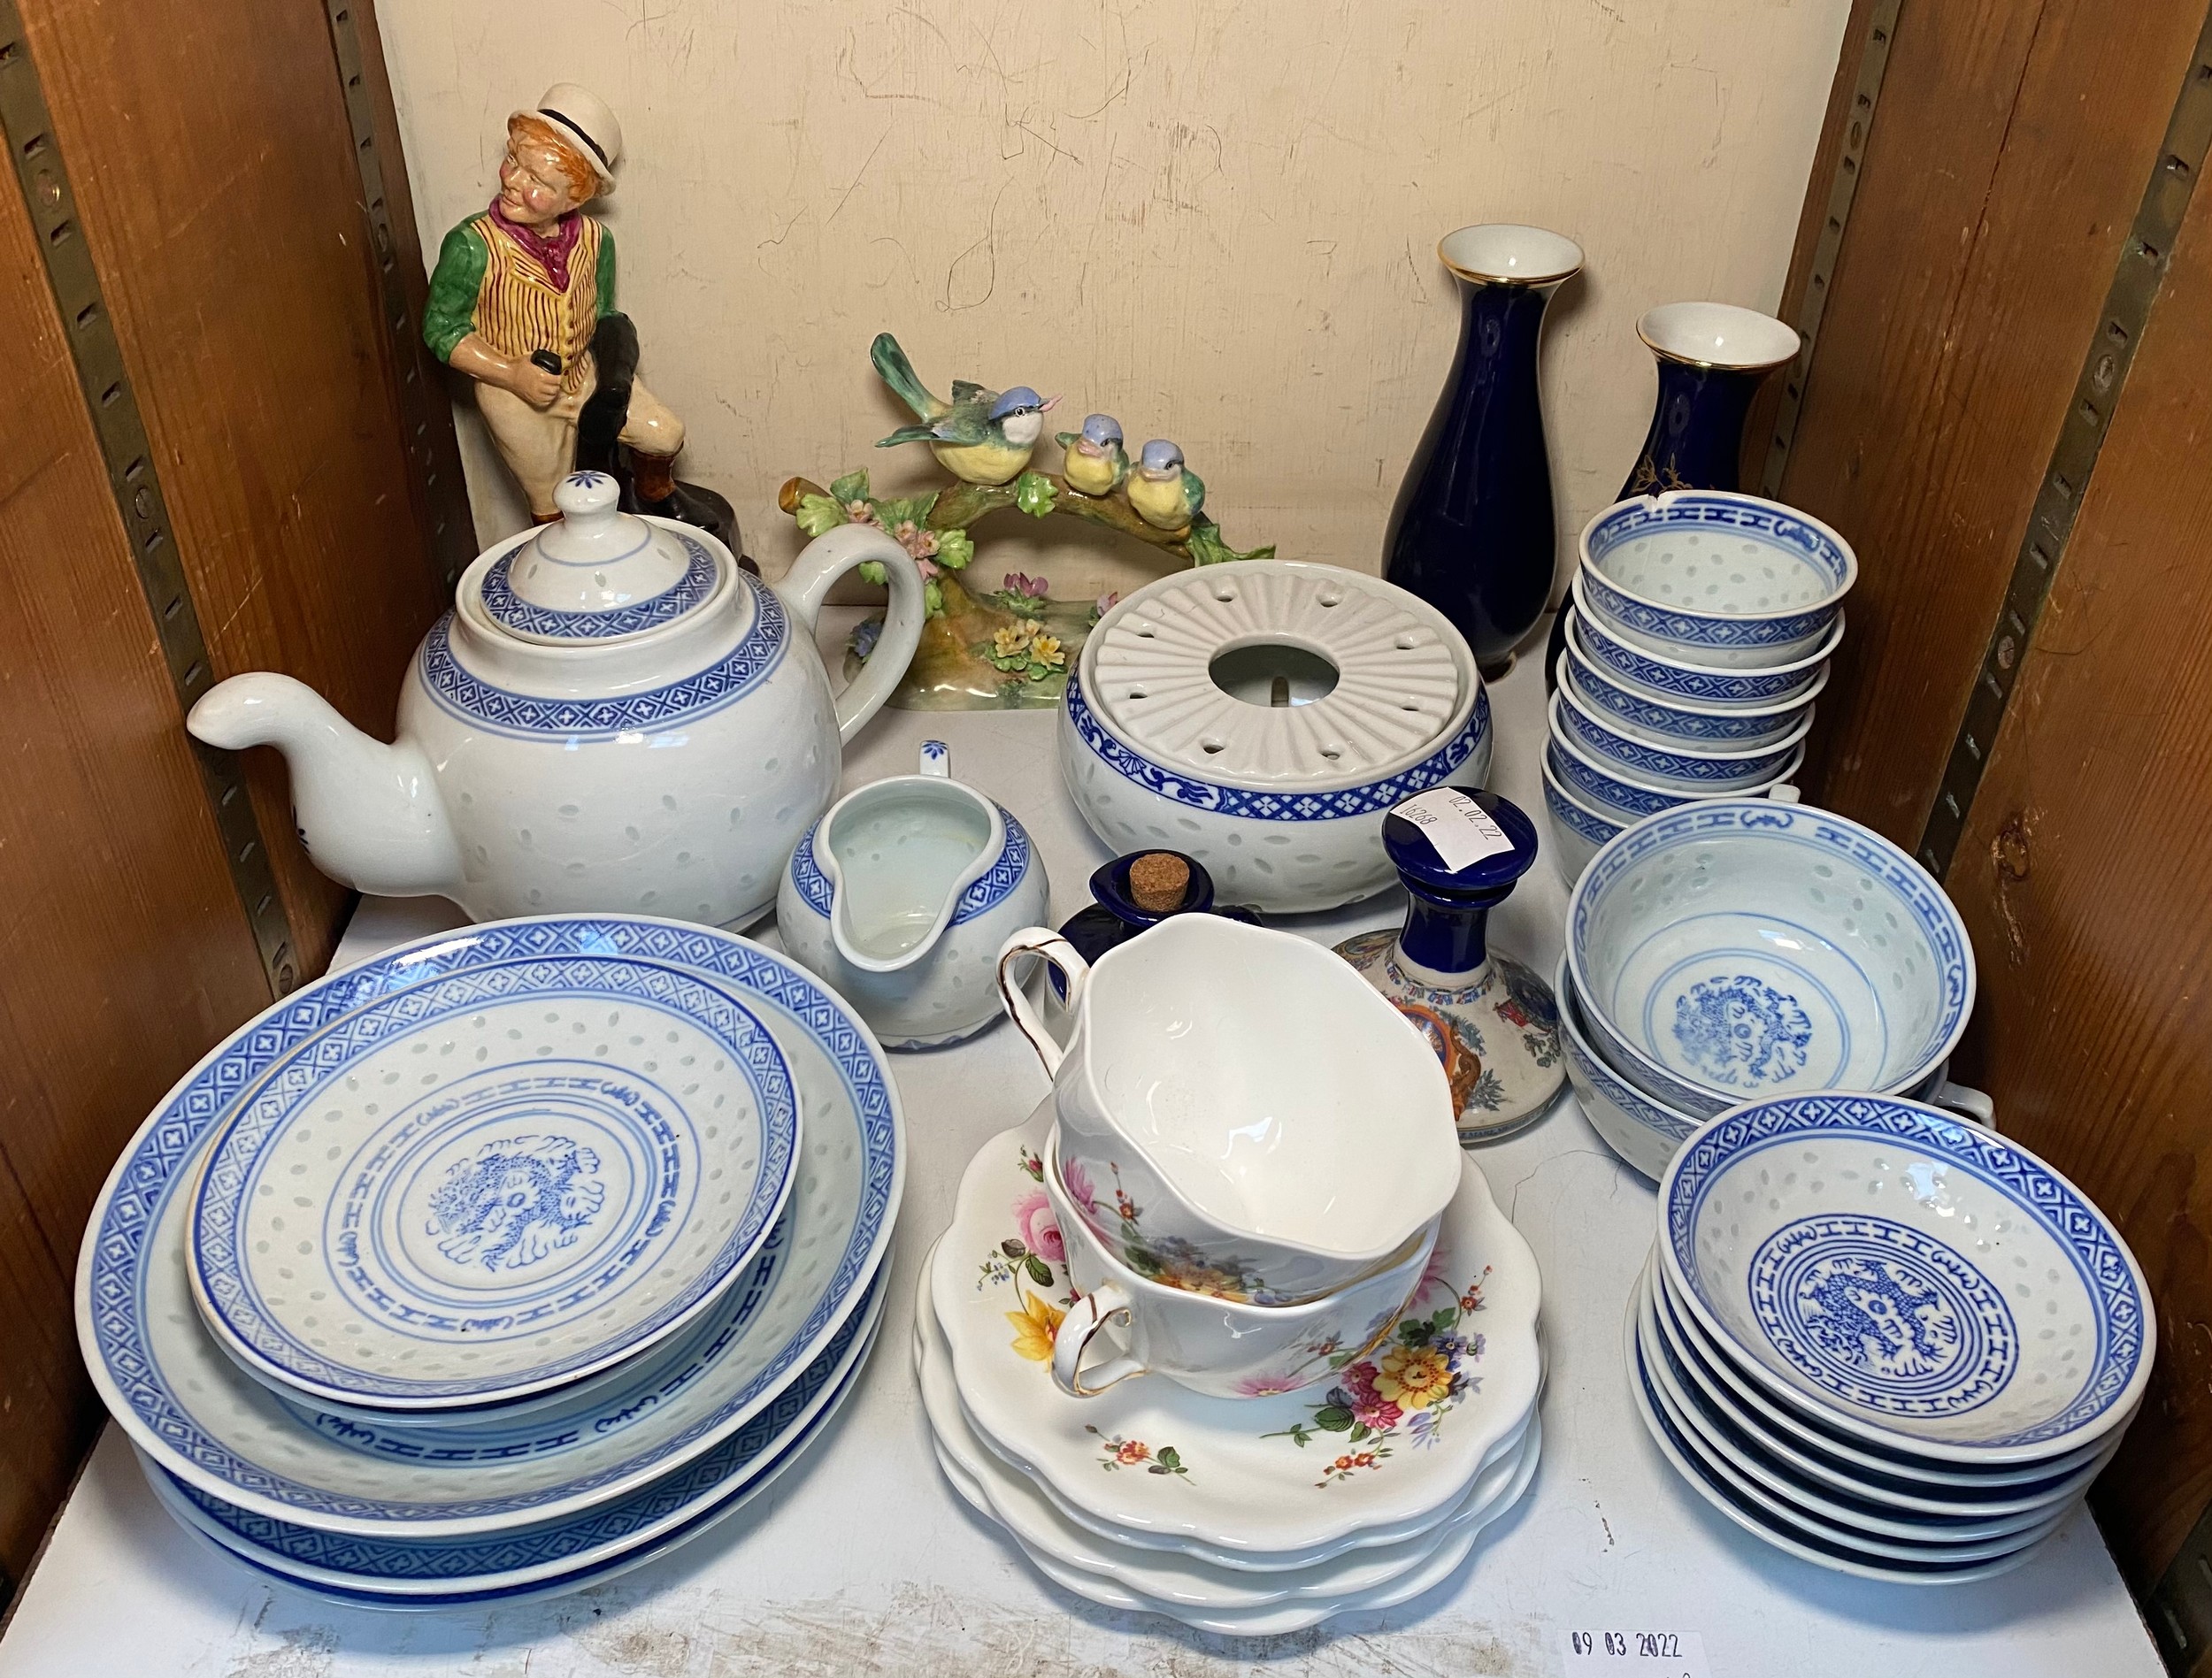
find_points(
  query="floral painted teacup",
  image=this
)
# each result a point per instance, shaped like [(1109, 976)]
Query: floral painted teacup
[(1245, 1115), (1210, 1344)]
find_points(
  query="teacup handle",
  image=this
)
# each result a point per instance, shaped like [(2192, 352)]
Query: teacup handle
[(1039, 941), (1084, 1319), (1965, 1101)]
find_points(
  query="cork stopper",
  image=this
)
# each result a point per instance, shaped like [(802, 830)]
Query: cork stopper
[(1158, 882)]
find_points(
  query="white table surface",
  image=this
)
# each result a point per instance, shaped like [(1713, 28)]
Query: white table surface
[(862, 1560)]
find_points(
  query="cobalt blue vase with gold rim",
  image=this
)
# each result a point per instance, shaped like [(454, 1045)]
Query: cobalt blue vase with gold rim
[(1472, 528)]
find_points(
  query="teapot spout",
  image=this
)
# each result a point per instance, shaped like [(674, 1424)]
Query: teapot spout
[(369, 814)]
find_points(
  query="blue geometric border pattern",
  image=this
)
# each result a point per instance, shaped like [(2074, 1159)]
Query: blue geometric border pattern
[(565, 1581), (114, 1278), (510, 609), (1776, 525), (373, 1558), (1374, 797), (296, 1080), (1680, 766), (534, 716), (1622, 795), (1594, 828), (2077, 1227), (986, 891), (1719, 687), (1661, 717), (1816, 830)]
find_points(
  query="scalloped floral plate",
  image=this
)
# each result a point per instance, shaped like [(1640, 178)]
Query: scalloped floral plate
[(1396, 1438), (1022, 1507)]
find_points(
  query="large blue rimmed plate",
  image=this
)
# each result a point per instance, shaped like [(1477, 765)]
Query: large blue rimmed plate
[(190, 1407), (494, 1183), (430, 1572)]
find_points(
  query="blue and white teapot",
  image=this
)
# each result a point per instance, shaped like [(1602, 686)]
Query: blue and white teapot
[(901, 896), (613, 716)]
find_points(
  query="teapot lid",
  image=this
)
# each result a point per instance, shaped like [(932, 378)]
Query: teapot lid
[(596, 572)]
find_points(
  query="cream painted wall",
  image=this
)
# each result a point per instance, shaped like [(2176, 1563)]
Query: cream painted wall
[(1217, 221)]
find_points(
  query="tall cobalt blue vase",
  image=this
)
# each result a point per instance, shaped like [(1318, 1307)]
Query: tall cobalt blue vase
[(1472, 531), (1712, 359)]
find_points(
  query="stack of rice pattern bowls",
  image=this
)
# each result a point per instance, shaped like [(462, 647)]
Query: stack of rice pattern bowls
[(1698, 637), (1884, 1342), (501, 1263)]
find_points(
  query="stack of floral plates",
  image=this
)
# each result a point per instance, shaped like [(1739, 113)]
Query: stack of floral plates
[(500, 1263), (1240, 1516), (1884, 1341)]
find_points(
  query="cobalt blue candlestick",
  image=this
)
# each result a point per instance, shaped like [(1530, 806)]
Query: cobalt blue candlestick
[(1493, 1022), (1472, 531), (1712, 359)]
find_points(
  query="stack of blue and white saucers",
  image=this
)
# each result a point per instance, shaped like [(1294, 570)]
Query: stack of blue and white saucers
[(1737, 948), (1698, 637), (500, 1263), (1888, 1343)]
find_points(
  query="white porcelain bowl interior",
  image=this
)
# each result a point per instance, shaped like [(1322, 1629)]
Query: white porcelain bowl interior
[(1723, 578), (1912, 1280), (1269, 1085), (1737, 948), (1669, 677)]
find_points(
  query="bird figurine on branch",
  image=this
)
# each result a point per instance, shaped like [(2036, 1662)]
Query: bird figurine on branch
[(980, 436), (1166, 494), (1096, 462)]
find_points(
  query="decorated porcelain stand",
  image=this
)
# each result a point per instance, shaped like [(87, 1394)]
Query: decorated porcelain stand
[(1491, 1020)]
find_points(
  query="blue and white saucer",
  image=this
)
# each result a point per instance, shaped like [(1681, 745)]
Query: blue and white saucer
[(1784, 1535), (1915, 1283), (190, 1407), (494, 1183), (563, 1554)]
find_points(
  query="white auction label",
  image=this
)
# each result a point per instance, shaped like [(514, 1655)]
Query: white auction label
[(1636, 1654), (1459, 829)]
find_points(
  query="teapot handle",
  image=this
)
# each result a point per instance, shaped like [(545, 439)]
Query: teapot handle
[(804, 587), (1039, 940)]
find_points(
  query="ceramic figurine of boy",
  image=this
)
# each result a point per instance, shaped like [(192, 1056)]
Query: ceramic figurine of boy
[(523, 297)]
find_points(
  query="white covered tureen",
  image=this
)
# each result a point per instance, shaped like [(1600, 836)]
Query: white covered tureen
[(612, 716)]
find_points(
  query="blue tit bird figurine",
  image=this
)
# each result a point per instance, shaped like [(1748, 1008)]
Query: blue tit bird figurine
[(980, 436), (1096, 462), (1166, 495)]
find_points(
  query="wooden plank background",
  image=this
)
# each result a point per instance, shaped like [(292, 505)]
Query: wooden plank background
[(211, 156), (216, 177), (2083, 873), (125, 949), (2004, 162)]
